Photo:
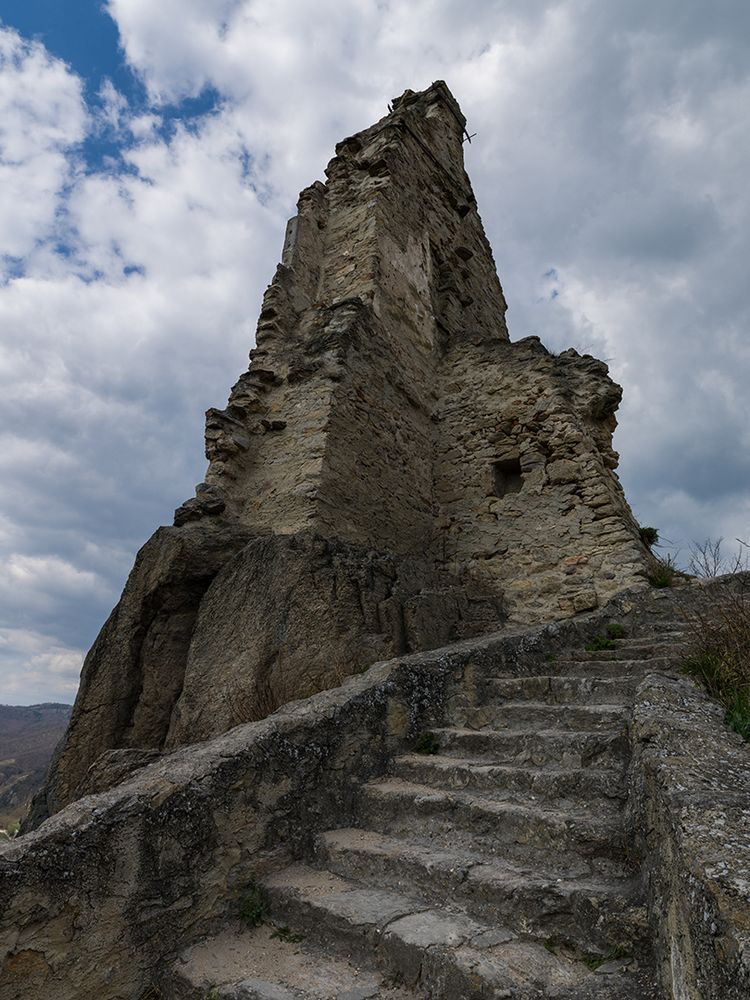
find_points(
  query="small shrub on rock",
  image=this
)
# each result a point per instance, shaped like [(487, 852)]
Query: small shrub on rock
[(427, 743), (663, 574), (600, 642), (649, 537), (615, 631), (719, 654)]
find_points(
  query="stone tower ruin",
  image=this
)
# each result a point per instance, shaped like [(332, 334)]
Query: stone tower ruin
[(390, 474)]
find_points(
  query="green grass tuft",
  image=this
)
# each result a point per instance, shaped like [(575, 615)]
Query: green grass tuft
[(615, 631), (729, 682), (663, 574), (719, 654), (253, 906), (600, 642)]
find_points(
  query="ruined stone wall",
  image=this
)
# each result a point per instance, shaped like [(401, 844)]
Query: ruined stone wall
[(691, 789), (384, 267), (528, 499), (410, 422)]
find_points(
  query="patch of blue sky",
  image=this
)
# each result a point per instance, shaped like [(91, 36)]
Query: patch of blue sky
[(81, 33), (10, 268)]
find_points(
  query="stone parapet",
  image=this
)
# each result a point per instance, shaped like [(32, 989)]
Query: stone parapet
[(691, 797)]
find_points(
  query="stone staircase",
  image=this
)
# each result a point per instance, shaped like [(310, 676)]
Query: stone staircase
[(500, 865)]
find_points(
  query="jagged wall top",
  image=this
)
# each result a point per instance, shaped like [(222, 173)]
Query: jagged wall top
[(385, 404), (385, 267)]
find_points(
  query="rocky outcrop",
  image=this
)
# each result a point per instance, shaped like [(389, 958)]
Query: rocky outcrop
[(223, 630), (135, 669), (292, 615), (391, 472)]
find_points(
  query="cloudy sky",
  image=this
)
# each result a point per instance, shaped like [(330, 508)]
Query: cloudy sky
[(151, 152)]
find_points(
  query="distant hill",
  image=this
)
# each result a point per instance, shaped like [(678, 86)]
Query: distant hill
[(28, 735)]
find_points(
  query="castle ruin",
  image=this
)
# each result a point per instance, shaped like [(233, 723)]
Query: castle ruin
[(390, 474), (389, 712)]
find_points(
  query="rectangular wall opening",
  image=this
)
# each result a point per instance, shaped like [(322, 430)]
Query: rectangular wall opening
[(507, 476)]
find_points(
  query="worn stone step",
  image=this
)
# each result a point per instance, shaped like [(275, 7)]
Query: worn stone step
[(650, 643), (539, 715), (273, 963), (594, 665), (586, 910), (615, 981), (555, 689), (253, 989), (653, 624), (629, 652), (558, 747), (443, 952), (575, 783), (466, 820), (658, 633)]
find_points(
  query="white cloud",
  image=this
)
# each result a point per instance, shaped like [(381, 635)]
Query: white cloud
[(34, 667), (114, 110), (42, 119)]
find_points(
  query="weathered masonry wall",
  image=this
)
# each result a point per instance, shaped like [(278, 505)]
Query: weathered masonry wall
[(692, 793), (528, 499), (397, 412)]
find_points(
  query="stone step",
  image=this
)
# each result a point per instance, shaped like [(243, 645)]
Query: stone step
[(557, 747), (442, 952), (630, 652), (609, 983), (658, 633), (273, 963), (650, 644), (654, 624), (252, 989), (539, 715), (588, 911), (463, 820), (555, 689), (578, 784), (586, 664)]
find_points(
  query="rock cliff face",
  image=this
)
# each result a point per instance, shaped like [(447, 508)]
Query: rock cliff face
[(390, 474)]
